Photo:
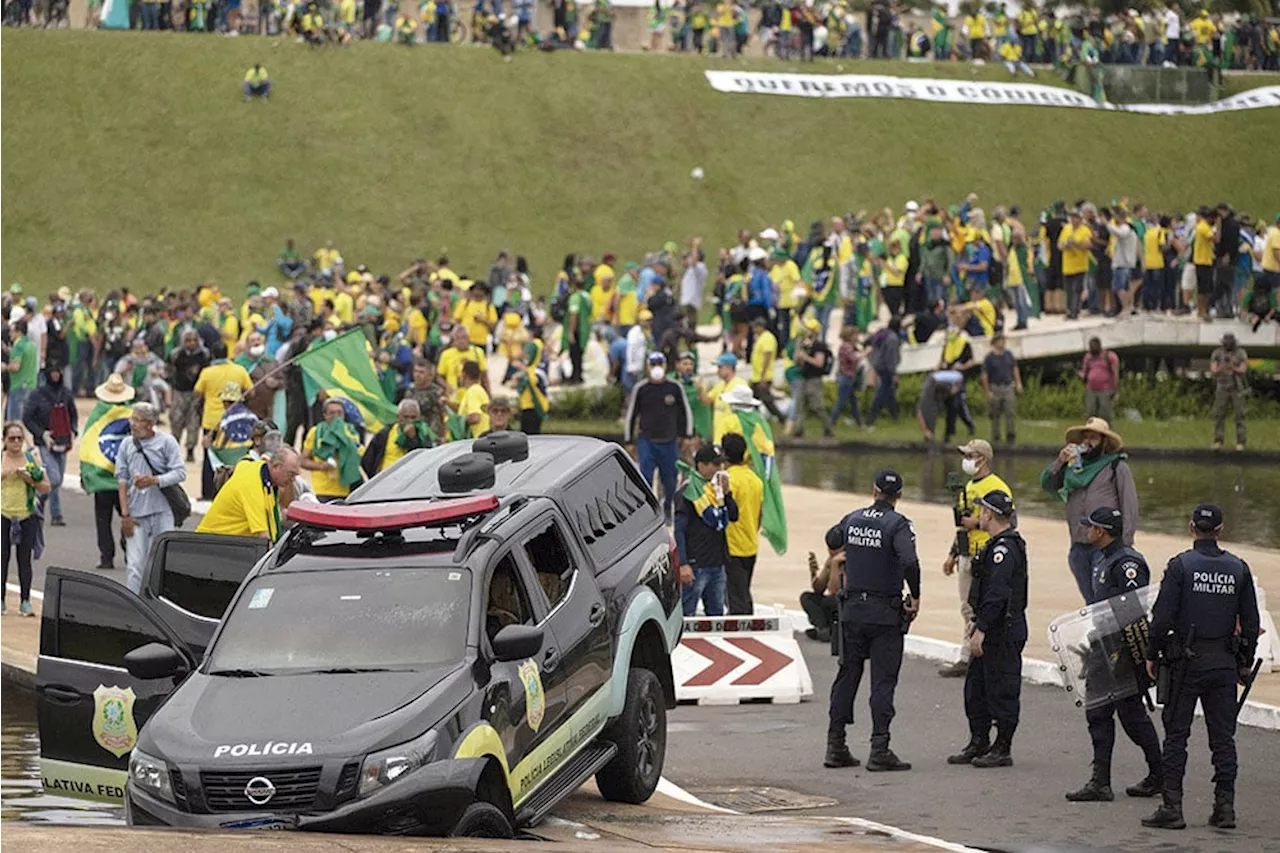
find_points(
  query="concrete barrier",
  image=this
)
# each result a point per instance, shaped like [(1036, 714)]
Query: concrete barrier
[(724, 660)]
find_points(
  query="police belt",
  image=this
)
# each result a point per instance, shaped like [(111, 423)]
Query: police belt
[(1206, 647), (864, 594)]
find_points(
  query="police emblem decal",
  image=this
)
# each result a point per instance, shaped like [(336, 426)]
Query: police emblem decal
[(535, 701), (113, 725)]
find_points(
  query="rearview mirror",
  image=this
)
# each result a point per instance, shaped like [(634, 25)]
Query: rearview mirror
[(155, 660), (517, 642)]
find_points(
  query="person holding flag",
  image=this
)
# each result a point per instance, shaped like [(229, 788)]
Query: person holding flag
[(232, 440), (342, 368), (106, 426), (331, 452), (531, 389), (743, 533), (744, 419), (686, 375), (410, 432)]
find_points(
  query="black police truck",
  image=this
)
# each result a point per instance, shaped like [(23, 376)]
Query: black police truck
[(460, 644)]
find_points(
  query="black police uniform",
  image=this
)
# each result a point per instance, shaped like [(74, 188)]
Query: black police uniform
[(1204, 592), (1118, 569), (993, 684), (880, 554)]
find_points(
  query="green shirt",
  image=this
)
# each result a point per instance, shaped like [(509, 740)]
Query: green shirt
[(24, 352), (579, 304)]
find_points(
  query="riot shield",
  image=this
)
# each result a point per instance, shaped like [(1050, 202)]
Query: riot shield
[(1101, 649)]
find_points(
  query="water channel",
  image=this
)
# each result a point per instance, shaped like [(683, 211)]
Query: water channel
[(1167, 489)]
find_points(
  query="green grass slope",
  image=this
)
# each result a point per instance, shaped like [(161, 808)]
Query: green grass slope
[(130, 158)]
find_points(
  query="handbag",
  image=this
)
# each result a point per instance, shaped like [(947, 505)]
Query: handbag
[(179, 502)]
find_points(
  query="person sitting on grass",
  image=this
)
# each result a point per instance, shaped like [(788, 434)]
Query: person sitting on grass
[(406, 29), (1011, 56), (257, 84), (313, 29)]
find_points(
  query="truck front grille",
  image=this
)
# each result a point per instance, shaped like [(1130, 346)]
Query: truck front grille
[(295, 790)]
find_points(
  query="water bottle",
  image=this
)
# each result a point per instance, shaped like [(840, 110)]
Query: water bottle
[(1077, 464)]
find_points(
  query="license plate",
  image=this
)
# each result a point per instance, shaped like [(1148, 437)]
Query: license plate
[(259, 823)]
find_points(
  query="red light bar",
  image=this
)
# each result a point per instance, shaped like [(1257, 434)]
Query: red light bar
[(388, 516)]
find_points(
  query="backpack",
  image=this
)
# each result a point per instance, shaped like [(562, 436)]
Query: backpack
[(60, 427), (560, 307)]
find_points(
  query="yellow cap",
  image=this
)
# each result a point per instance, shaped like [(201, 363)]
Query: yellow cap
[(511, 319), (645, 314), (353, 277)]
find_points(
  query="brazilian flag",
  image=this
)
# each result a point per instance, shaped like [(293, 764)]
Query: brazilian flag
[(760, 449), (106, 427), (343, 369)]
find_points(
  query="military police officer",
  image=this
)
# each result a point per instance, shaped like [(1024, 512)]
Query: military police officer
[(1117, 569), (996, 637), (1205, 620), (879, 546)]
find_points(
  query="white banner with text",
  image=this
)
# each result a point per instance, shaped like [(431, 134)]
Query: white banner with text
[(962, 92)]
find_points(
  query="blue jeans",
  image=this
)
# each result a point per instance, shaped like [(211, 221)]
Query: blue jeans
[(886, 396), (708, 587), (138, 546), (86, 376), (1152, 288), (55, 466), (1120, 279), (150, 16), (1080, 560), (934, 290), (824, 318), (661, 455), (262, 91), (846, 395), (1021, 302), (16, 402)]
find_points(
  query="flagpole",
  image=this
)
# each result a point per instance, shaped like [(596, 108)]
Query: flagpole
[(295, 356)]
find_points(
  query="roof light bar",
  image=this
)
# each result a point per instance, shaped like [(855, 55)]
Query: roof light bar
[(389, 516)]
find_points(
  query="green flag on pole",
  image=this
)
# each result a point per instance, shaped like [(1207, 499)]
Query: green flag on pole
[(773, 519), (343, 368)]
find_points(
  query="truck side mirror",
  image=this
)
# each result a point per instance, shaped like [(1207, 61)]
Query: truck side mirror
[(517, 642), (155, 660)]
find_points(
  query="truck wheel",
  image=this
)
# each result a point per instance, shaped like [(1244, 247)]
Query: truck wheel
[(483, 820), (640, 734)]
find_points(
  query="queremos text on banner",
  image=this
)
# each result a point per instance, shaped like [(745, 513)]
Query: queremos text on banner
[(962, 92)]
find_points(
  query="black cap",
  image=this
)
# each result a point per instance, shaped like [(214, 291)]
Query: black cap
[(1108, 518), (888, 482), (1207, 517), (708, 453), (998, 502)]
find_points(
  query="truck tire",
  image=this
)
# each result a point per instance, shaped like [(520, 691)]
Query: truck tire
[(640, 733), (483, 820)]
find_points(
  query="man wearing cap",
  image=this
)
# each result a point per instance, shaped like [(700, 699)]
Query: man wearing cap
[(879, 547), (969, 539), (785, 276), (1207, 609), (997, 635), (727, 376), (658, 417), (704, 510), (1228, 363), (813, 359), (1117, 569), (1092, 471)]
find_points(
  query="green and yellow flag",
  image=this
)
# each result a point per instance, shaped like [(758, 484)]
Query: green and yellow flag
[(106, 427), (773, 518), (343, 368)]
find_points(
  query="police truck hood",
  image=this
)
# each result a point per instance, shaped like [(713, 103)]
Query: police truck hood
[(282, 719)]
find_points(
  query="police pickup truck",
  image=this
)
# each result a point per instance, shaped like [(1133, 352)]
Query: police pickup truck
[(456, 647)]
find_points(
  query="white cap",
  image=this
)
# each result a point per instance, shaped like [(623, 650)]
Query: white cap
[(17, 313), (756, 254), (768, 234), (270, 293), (912, 207)]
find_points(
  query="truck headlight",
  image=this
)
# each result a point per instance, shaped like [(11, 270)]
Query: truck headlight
[(386, 766), (151, 775)]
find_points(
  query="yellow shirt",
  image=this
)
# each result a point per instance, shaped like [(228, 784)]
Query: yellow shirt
[(718, 409), (210, 384), (417, 327), (1075, 261), (344, 307), (347, 11), (986, 314), (450, 366), (1270, 250), (844, 250), (603, 271), (1202, 247), (748, 492), (1013, 275), (13, 500), (628, 309), (895, 271), (478, 317), (319, 295), (765, 350), (327, 482), (1204, 30), (602, 304), (475, 401), (255, 322), (1153, 243), (977, 26), (786, 277), (511, 340), (973, 490), (393, 451), (254, 77), (1027, 22), (245, 505), (724, 15)]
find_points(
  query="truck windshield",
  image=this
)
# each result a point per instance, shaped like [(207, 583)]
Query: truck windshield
[(345, 621)]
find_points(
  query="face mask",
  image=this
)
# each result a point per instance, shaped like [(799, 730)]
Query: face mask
[(657, 373), (257, 351), (969, 466), (330, 334)]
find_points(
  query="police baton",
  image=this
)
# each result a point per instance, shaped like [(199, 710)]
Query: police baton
[(1248, 685)]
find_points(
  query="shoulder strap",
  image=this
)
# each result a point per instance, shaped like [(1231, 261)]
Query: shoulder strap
[(137, 445)]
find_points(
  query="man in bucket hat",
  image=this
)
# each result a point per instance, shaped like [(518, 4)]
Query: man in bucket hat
[(1091, 472)]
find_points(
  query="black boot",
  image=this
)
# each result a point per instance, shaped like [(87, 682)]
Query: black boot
[(999, 754), (1148, 787), (1169, 815), (882, 757), (1224, 809), (975, 747), (1097, 789), (838, 754)]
